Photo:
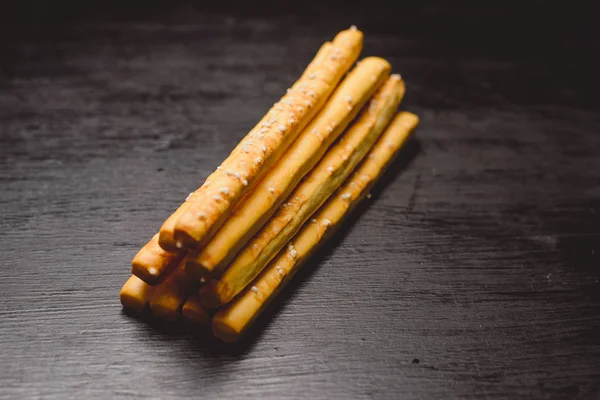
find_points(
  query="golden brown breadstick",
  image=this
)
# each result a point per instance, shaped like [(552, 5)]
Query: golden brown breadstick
[(166, 237), (167, 231), (230, 322), (318, 185), (263, 146), (135, 294), (170, 295), (194, 312), (152, 263), (301, 157)]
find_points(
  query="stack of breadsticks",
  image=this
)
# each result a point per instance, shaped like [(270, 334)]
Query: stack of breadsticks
[(238, 239)]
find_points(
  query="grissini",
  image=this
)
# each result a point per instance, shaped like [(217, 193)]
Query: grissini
[(232, 321), (170, 295), (308, 196), (207, 208), (194, 312), (166, 238), (303, 154), (152, 262), (135, 294)]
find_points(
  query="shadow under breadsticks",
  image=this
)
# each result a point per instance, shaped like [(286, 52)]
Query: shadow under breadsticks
[(202, 340)]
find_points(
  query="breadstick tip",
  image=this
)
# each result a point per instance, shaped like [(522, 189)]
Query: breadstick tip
[(353, 35), (135, 294), (376, 60), (223, 330), (410, 120), (193, 312)]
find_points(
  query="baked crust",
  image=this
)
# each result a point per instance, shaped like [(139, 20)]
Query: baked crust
[(256, 209), (194, 312), (231, 322), (207, 208), (135, 294), (317, 186), (170, 295), (152, 262)]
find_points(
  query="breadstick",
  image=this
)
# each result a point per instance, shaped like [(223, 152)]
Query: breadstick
[(135, 294), (208, 206), (166, 237), (152, 263), (232, 321), (301, 157), (194, 312), (318, 185), (169, 296)]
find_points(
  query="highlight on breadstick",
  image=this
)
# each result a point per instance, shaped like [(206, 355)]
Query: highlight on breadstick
[(152, 262), (308, 196), (194, 312), (209, 205), (166, 237), (305, 152), (170, 295), (135, 294), (232, 321)]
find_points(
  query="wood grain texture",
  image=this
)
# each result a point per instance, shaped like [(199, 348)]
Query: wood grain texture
[(472, 272)]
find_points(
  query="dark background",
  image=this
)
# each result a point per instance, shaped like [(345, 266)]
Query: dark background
[(471, 273)]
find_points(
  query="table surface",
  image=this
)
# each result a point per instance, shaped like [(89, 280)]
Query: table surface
[(471, 273)]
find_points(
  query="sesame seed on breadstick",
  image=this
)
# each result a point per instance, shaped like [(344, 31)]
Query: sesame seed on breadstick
[(335, 166), (152, 262), (301, 157), (184, 229), (230, 322)]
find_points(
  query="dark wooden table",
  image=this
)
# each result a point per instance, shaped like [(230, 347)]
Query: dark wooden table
[(471, 273)]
